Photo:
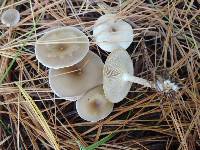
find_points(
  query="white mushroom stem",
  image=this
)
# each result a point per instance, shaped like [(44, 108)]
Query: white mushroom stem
[(134, 79)]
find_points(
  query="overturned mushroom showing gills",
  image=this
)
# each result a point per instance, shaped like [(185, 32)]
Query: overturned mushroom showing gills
[(94, 106), (72, 82), (10, 17), (62, 47), (112, 33), (118, 76)]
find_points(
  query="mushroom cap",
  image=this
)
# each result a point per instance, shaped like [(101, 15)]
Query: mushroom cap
[(62, 47), (94, 106), (117, 63), (72, 82), (111, 33), (10, 17)]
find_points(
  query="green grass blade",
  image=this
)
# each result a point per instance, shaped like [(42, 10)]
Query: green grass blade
[(98, 143), (7, 129), (9, 67), (2, 78)]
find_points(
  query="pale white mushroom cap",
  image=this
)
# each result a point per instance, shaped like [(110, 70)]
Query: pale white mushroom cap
[(117, 63), (62, 47), (94, 106), (10, 17), (111, 33), (71, 83)]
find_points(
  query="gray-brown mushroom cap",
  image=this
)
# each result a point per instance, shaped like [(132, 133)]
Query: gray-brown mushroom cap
[(10, 17), (76, 80), (62, 47), (117, 63), (94, 106)]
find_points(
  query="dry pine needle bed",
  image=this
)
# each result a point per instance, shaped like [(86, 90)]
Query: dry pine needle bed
[(160, 39)]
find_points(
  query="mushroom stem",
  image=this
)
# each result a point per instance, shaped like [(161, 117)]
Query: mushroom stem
[(134, 79)]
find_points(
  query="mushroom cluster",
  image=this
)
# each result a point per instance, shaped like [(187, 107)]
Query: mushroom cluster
[(75, 74), (115, 35), (78, 74)]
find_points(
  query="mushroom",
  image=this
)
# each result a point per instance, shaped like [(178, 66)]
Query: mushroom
[(72, 82), (111, 33), (62, 47), (94, 106), (118, 76), (10, 17)]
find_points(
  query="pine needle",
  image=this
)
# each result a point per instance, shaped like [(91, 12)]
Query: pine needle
[(40, 118)]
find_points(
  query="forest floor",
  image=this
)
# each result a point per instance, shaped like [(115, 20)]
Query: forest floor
[(166, 43)]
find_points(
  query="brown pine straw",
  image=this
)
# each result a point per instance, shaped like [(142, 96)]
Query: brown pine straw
[(166, 40)]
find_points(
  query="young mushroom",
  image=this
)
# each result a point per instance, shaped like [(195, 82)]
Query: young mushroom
[(72, 82), (10, 17), (94, 106), (112, 33), (62, 47)]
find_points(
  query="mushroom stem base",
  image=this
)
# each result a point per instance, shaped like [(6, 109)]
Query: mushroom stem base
[(134, 79)]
